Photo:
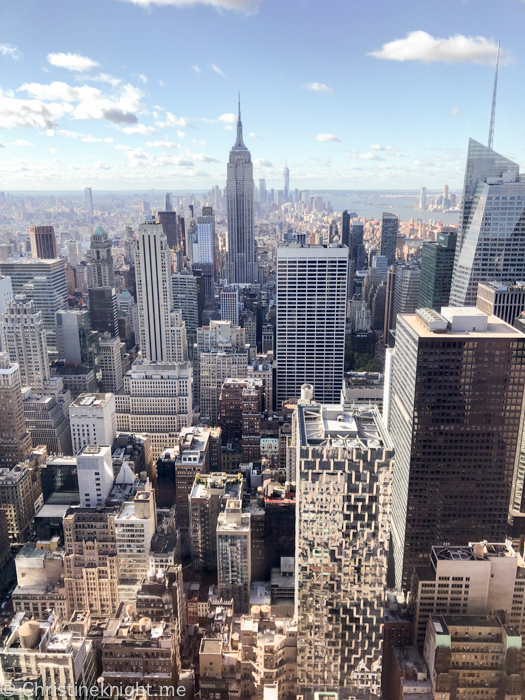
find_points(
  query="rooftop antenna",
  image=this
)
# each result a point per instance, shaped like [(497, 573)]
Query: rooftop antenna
[(493, 111)]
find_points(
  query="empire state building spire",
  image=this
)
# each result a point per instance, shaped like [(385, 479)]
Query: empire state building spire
[(239, 144), (241, 266)]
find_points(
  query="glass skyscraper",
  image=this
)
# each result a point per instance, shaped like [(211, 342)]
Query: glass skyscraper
[(491, 240), (389, 231)]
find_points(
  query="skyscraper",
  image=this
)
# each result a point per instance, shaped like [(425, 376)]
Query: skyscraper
[(169, 222), (311, 318), (103, 311), (406, 291), (154, 291), (286, 176), (24, 339), (343, 498), (88, 203), (423, 199), (263, 196), (437, 264), (491, 235), (45, 282), (389, 231), (101, 259), (15, 441), (234, 564), (43, 242), (242, 266), (457, 393), (168, 206)]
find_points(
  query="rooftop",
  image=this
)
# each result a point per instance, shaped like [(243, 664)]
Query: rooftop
[(211, 646), (91, 400), (459, 322)]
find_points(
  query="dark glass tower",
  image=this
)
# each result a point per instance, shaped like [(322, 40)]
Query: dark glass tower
[(103, 311), (437, 264), (457, 393), (389, 231)]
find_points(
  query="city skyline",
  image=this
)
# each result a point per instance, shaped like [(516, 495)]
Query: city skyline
[(118, 121)]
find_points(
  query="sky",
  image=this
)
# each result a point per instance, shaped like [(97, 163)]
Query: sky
[(134, 94)]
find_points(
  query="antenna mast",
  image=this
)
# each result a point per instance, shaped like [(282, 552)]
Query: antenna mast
[(493, 111)]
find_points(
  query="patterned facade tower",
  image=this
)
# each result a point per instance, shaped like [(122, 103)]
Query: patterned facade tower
[(101, 259), (241, 267), (344, 469)]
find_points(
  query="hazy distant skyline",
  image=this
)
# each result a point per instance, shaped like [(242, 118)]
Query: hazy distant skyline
[(124, 94)]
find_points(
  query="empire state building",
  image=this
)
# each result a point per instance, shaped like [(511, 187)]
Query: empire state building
[(241, 267)]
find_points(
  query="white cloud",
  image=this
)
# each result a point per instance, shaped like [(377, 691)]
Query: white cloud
[(52, 150), (196, 69), (101, 166), (139, 129), (199, 143), (30, 113), (365, 156), (454, 111), (101, 78), (172, 120), (228, 118), (161, 144), (71, 61), (377, 147), (327, 138), (261, 163), (204, 159), (91, 103), (421, 46), (254, 136), (21, 142), (2, 145), (217, 70), (318, 87), (142, 78), (162, 83), (92, 139), (10, 50), (122, 147), (237, 5), (181, 134)]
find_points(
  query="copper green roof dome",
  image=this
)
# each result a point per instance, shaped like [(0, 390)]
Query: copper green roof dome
[(99, 232)]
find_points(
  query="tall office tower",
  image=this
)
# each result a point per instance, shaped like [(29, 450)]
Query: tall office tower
[(74, 253), (88, 203), (208, 497), (145, 208), (93, 420), (389, 303), (95, 475), (157, 399), (437, 264), (170, 225), (390, 356), (110, 364), (167, 204), (15, 441), (101, 259), (103, 310), (342, 537), (389, 231), (205, 259), (154, 291), (406, 291), (345, 231), (24, 339), (446, 200), (127, 306), (45, 282), (457, 388), (43, 243), (286, 176), (423, 199), (242, 256), (185, 288), (263, 195), (177, 337), (230, 305), (76, 342), (491, 231), (91, 567), (6, 295), (47, 422), (234, 566), (311, 320), (135, 526), (502, 299), (249, 321)]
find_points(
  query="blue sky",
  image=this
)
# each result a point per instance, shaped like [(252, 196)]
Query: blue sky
[(124, 94)]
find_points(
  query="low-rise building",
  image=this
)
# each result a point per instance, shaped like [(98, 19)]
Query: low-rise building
[(20, 498)]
